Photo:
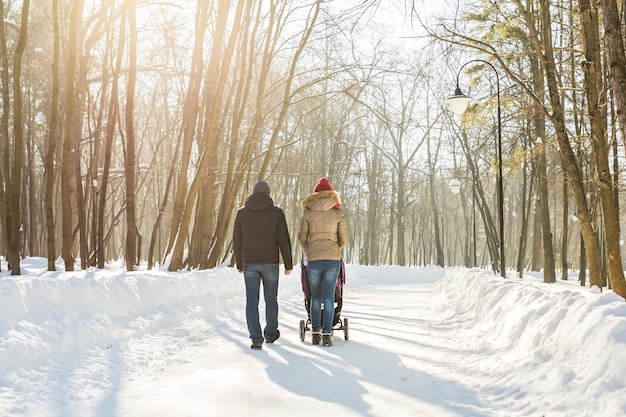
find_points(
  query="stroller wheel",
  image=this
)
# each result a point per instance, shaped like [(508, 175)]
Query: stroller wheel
[(302, 330), (346, 334)]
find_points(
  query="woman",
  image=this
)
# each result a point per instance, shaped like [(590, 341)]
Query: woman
[(323, 233)]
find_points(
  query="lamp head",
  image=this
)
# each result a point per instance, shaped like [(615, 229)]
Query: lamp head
[(455, 186), (458, 102)]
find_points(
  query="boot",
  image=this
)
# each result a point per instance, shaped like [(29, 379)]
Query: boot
[(317, 337), (326, 340)]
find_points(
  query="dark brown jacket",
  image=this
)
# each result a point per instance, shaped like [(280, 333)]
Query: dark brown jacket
[(323, 230), (259, 233)]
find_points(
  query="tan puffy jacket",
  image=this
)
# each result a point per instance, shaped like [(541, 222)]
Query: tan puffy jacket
[(323, 228)]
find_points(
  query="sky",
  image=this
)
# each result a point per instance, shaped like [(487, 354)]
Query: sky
[(421, 342)]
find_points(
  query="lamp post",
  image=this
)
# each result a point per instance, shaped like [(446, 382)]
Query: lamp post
[(455, 187), (458, 104)]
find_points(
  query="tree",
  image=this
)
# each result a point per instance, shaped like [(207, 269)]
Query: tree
[(570, 163), (597, 108), (4, 128), (539, 125), (14, 155), (52, 143), (218, 66), (132, 234), (67, 187)]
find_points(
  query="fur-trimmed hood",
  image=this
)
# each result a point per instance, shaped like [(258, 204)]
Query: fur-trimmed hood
[(321, 201)]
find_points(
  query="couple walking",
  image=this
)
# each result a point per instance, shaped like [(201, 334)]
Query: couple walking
[(260, 232)]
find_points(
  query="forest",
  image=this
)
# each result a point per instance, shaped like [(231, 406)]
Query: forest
[(133, 130)]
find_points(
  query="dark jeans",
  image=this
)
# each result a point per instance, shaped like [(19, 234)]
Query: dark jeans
[(323, 277), (254, 274)]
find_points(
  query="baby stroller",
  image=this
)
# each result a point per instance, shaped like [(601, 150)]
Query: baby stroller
[(338, 323)]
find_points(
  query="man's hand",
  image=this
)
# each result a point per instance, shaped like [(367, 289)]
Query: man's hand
[(240, 271), (288, 271)]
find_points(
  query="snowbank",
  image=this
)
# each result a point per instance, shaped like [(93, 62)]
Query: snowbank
[(516, 344), (566, 337), (48, 314)]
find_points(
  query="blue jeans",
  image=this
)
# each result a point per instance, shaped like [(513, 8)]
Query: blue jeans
[(253, 275), (323, 277)]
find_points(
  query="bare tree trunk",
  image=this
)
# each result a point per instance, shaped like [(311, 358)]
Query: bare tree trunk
[(99, 146), (14, 185), (52, 143), (582, 273), (130, 157), (166, 196), (4, 128), (372, 235), (67, 190), (30, 199), (80, 193), (565, 230), (434, 209), (112, 121), (401, 219), (536, 261), (616, 57), (527, 203), (549, 272)]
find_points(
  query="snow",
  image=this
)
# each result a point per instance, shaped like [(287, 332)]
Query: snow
[(422, 342)]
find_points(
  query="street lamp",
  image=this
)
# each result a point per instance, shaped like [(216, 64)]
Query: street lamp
[(455, 188), (458, 104)]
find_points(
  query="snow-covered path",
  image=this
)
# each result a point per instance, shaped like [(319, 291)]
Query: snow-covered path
[(366, 375), (393, 364), (423, 342)]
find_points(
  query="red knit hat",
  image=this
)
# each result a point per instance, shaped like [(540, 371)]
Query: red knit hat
[(322, 185)]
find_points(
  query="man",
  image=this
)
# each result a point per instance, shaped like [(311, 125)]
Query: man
[(260, 232)]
